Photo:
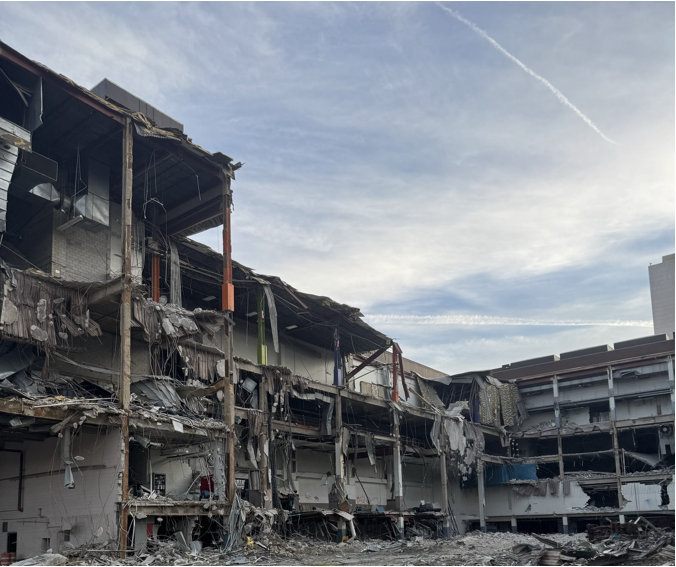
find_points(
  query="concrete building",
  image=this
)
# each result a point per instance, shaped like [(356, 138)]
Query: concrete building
[(151, 387), (662, 294)]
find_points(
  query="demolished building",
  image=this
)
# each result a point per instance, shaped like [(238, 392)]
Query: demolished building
[(152, 387)]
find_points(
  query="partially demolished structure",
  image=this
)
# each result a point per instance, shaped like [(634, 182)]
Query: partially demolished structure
[(151, 387)]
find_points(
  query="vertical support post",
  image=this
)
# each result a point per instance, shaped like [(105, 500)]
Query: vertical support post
[(670, 373), (155, 277), (446, 530), (557, 409), (398, 473), (565, 524), (260, 308), (482, 496), (395, 386), (513, 524), (618, 470), (340, 461), (337, 363), (262, 438), (611, 394), (559, 443), (622, 519), (125, 324), (228, 305)]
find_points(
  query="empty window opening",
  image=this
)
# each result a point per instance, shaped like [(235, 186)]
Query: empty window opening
[(548, 470), (599, 412), (11, 542), (540, 526), (601, 497), (46, 545), (587, 443)]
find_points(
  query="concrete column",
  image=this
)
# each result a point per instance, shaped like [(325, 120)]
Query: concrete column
[(565, 524), (618, 470), (611, 394), (559, 444), (400, 526), (218, 452), (557, 410), (444, 495), (398, 474), (342, 530), (622, 519), (340, 465), (514, 528), (262, 438), (482, 496), (124, 394), (670, 371)]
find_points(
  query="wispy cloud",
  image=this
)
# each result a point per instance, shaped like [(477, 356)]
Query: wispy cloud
[(473, 320), (562, 98)]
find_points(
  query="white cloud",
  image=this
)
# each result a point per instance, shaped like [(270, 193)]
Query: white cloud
[(473, 320)]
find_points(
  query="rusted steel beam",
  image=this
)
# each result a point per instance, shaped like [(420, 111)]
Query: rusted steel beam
[(227, 306), (125, 323), (228, 290), (364, 364)]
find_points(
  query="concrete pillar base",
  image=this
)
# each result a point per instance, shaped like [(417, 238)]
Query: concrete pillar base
[(565, 525), (341, 532), (400, 526), (514, 527), (446, 528)]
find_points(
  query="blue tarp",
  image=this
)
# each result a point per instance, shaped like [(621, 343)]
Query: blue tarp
[(501, 474)]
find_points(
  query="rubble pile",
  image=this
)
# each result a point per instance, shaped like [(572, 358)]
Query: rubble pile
[(611, 543)]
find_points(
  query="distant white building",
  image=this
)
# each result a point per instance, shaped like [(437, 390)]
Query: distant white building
[(662, 295)]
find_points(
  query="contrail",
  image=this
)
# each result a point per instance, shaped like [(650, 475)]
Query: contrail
[(562, 98), (471, 320)]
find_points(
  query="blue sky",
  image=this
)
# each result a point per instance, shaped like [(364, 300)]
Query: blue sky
[(397, 160)]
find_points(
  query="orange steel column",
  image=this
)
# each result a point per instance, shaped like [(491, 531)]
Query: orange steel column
[(228, 290)]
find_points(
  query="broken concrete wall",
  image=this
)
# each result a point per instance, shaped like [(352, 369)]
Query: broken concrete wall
[(178, 473), (301, 358), (78, 254), (464, 502), (104, 352), (502, 501), (646, 497), (374, 487), (311, 479), (643, 407), (537, 418), (52, 513), (422, 482)]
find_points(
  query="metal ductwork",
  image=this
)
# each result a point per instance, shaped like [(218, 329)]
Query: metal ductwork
[(93, 205), (8, 157)]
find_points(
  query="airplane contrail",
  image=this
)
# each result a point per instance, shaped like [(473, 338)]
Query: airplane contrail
[(562, 98), (472, 320)]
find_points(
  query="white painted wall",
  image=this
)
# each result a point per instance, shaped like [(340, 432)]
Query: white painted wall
[(301, 358), (646, 497), (49, 508)]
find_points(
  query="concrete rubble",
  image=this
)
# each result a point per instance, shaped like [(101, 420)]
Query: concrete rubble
[(611, 543)]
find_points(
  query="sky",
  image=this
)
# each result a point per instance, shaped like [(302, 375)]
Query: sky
[(487, 182)]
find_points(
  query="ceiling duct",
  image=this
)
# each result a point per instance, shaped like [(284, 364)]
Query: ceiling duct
[(93, 204)]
